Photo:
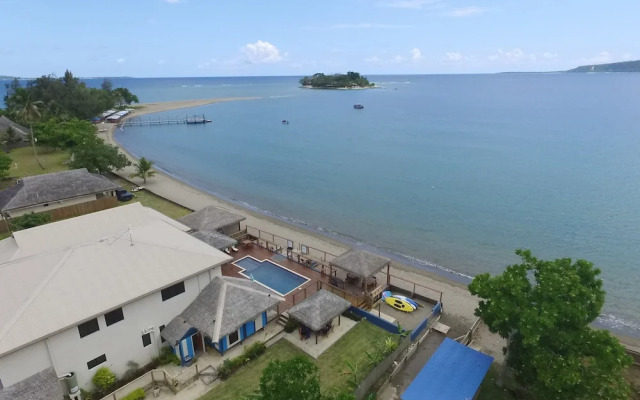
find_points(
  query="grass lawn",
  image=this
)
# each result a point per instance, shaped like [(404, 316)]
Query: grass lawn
[(150, 200), (52, 160), (247, 379), (489, 390), (331, 364)]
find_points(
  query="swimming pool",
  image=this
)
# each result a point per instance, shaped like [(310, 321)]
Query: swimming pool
[(276, 277)]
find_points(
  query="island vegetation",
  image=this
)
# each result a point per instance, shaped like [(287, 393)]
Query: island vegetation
[(625, 66), (350, 80)]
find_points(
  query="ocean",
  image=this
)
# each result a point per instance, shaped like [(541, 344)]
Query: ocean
[(443, 172)]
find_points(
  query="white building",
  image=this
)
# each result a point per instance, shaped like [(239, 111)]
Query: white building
[(95, 291)]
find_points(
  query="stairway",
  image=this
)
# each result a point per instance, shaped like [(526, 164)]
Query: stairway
[(282, 319)]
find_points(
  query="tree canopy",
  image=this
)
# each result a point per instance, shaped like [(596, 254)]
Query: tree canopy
[(543, 308), (64, 134), (296, 378), (5, 164), (143, 170), (98, 157), (348, 80)]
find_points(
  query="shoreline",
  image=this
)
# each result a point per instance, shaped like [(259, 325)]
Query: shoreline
[(458, 301)]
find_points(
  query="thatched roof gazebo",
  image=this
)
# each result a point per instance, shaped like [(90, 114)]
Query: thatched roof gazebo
[(318, 310), (215, 239), (212, 219), (360, 263), (41, 386)]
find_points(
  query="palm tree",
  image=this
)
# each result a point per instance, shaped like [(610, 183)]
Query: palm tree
[(143, 170), (29, 111)]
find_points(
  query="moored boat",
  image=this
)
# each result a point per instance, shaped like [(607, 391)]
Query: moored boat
[(358, 106)]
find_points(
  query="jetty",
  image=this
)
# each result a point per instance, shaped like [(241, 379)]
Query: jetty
[(191, 120)]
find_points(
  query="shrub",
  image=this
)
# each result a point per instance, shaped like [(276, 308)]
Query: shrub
[(137, 394), (291, 325), (104, 378), (255, 350), (86, 395), (230, 365), (167, 356)]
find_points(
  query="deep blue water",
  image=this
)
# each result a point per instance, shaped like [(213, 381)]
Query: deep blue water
[(452, 170), (271, 275)]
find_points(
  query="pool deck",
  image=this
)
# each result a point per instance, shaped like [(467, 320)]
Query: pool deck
[(304, 291)]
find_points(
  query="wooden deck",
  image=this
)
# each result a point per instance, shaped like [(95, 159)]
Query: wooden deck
[(353, 293)]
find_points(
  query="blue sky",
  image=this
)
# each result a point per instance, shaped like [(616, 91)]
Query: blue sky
[(158, 38)]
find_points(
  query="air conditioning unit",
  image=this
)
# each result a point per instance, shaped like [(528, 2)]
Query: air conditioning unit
[(147, 330)]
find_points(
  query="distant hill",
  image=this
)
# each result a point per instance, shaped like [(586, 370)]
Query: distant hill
[(625, 66), (6, 78)]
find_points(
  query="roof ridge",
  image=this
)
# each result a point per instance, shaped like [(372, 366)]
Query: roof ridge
[(35, 293), (219, 312), (254, 290)]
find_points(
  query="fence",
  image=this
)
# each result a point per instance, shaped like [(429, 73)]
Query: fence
[(437, 310), (415, 289), (468, 337), (157, 377), (381, 369), (377, 321)]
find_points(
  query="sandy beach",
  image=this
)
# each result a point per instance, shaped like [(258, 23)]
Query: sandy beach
[(459, 304)]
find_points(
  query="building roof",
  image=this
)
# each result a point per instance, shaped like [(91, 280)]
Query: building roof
[(318, 309), (221, 308), (6, 123), (42, 386), (454, 372), (211, 218), (360, 263), (215, 239), (68, 272), (47, 188)]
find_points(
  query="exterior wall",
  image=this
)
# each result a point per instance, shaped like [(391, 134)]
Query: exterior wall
[(52, 206), (22, 364), (248, 329), (230, 229), (120, 342)]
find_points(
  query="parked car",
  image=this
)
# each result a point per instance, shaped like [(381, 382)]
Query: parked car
[(123, 195)]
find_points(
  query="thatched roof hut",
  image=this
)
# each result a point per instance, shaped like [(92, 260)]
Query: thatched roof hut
[(360, 263), (214, 239), (41, 386), (213, 218), (317, 310)]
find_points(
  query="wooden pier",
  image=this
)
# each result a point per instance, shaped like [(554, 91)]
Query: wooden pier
[(191, 120)]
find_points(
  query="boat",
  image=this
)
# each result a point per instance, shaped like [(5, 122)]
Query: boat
[(358, 106), (285, 122), (398, 302)]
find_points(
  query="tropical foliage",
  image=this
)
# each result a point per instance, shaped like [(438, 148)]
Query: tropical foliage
[(143, 170), (348, 80), (98, 157), (543, 309), (296, 378), (5, 164), (29, 220), (104, 378)]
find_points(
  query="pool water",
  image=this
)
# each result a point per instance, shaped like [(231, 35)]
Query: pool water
[(270, 274)]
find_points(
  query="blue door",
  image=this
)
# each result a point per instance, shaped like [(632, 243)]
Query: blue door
[(249, 329)]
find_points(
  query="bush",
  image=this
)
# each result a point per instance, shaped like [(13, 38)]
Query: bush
[(86, 395), (167, 356), (230, 365), (291, 325), (137, 394), (30, 220), (104, 378)]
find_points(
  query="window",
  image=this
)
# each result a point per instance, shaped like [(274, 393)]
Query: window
[(146, 339), (172, 291), (304, 249), (162, 340), (114, 316), (88, 327), (96, 361), (233, 337)]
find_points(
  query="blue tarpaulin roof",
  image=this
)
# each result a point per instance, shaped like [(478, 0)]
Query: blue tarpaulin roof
[(454, 372)]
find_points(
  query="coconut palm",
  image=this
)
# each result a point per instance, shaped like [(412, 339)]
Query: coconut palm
[(143, 170), (29, 111)]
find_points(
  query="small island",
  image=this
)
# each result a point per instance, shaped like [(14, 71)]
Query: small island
[(625, 66), (350, 80)]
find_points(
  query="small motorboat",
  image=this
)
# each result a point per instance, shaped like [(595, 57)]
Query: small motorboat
[(358, 106), (285, 122)]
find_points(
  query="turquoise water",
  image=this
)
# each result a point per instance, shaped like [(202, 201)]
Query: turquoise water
[(451, 172), (271, 274)]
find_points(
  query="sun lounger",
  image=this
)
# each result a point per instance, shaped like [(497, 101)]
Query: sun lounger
[(234, 249)]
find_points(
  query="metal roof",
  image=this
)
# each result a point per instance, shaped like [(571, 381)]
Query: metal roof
[(454, 372), (106, 259), (360, 263), (41, 386), (211, 218), (221, 308), (318, 309), (47, 188)]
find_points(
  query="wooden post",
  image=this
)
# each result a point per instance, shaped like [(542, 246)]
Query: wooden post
[(388, 275)]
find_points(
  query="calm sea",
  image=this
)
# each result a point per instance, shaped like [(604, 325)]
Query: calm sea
[(452, 172)]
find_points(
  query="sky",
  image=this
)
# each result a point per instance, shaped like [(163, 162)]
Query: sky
[(183, 38)]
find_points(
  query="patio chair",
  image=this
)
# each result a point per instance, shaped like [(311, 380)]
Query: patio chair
[(234, 249)]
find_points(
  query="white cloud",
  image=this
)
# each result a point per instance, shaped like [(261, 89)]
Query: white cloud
[(465, 12), (601, 58), (627, 57), (453, 56), (261, 53), (416, 55), (120, 60), (508, 55), (373, 60), (409, 4)]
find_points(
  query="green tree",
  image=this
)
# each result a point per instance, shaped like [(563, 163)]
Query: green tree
[(30, 220), (5, 164), (10, 135), (64, 134), (124, 96), (143, 170), (28, 111), (296, 378), (98, 157), (543, 309), (104, 378)]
